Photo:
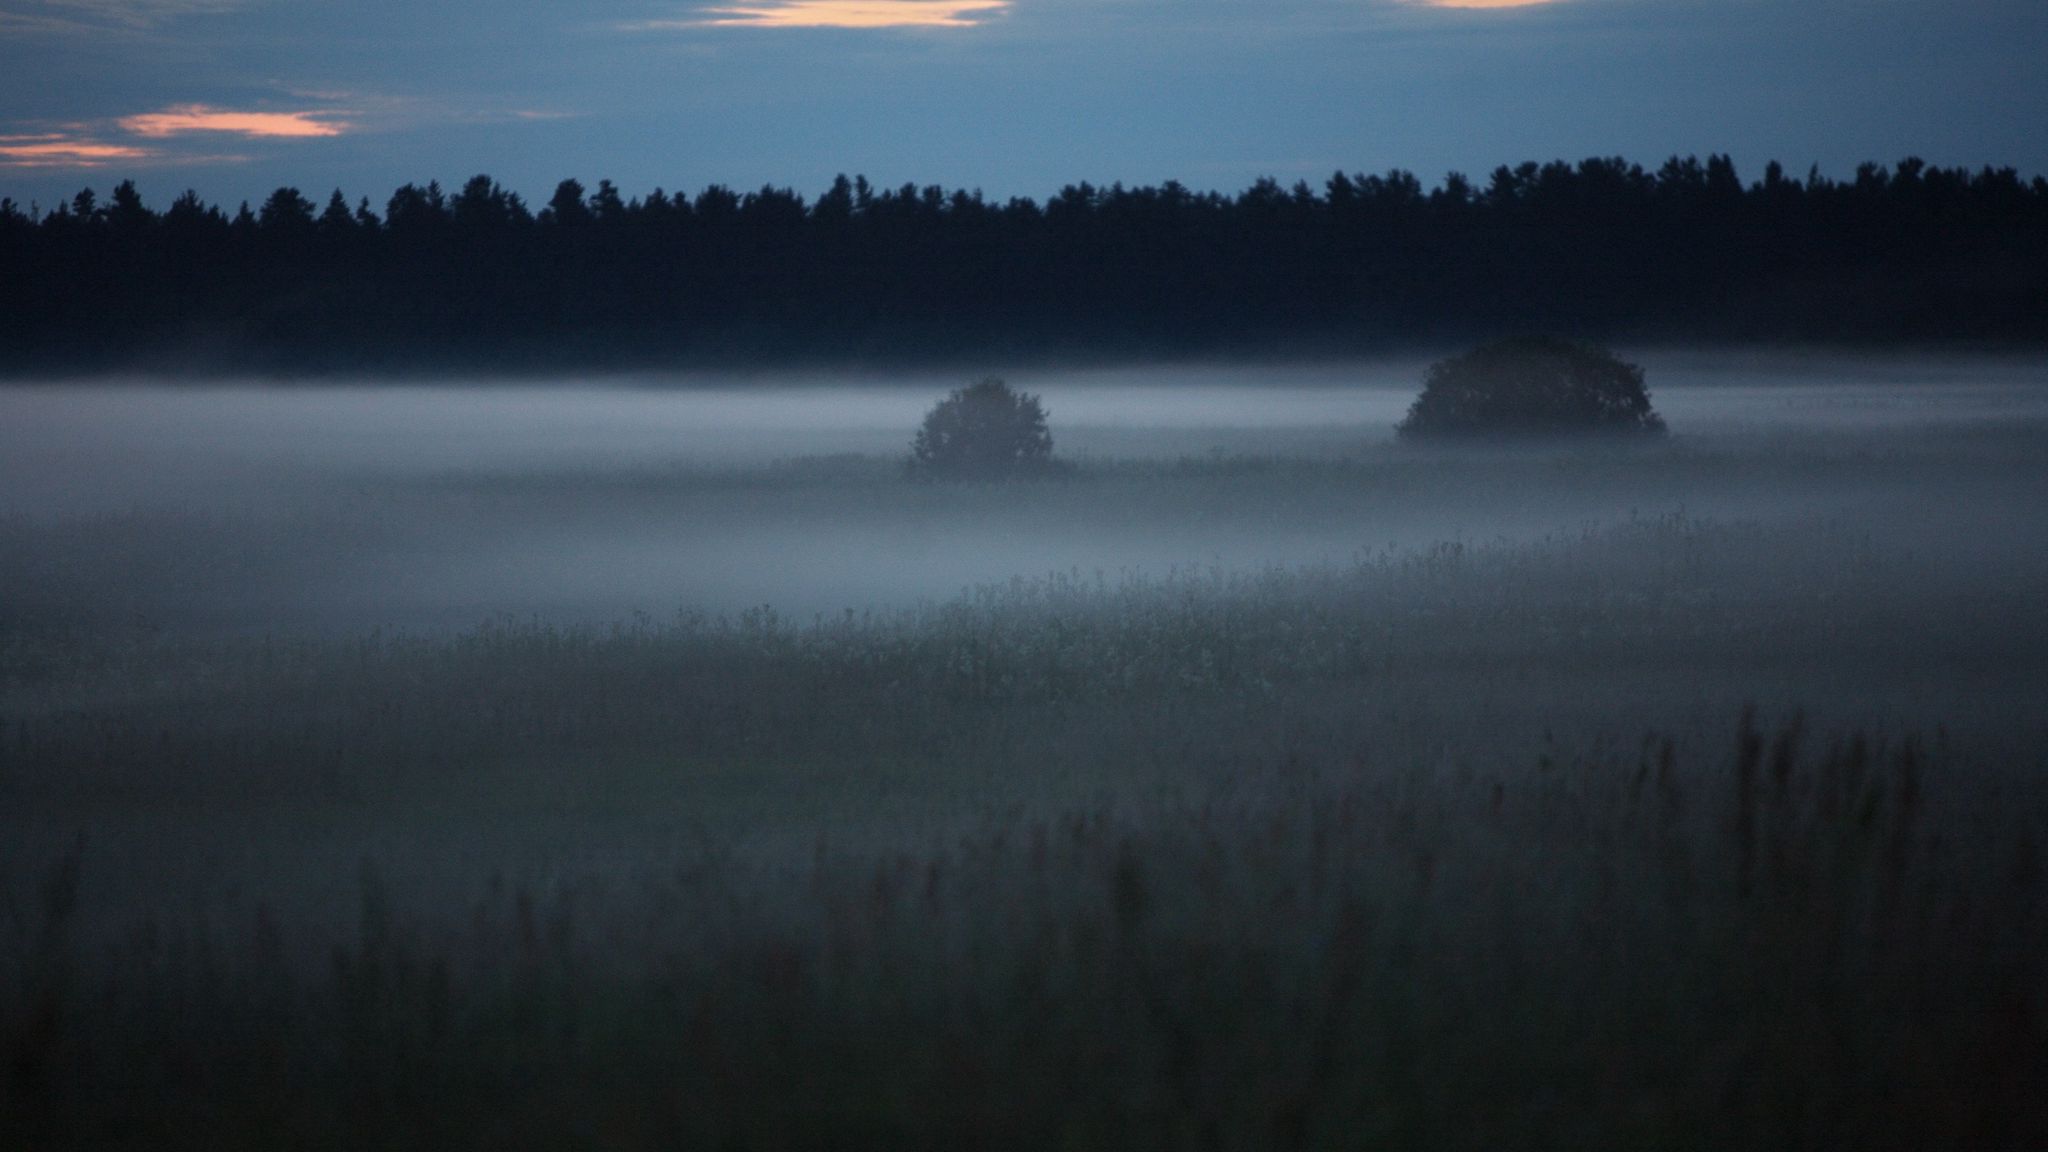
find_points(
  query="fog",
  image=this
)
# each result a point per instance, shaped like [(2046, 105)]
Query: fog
[(431, 737), (278, 506), (72, 449)]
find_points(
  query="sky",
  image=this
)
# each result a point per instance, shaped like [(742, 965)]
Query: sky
[(234, 98)]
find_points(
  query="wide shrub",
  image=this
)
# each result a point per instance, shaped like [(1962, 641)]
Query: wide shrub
[(986, 431), (1532, 385)]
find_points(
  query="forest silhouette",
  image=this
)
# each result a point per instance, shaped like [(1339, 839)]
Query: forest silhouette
[(479, 279)]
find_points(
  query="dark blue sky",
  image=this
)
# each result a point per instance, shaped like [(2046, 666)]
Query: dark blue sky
[(235, 97)]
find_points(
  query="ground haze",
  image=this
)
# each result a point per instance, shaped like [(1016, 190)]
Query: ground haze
[(291, 507), (650, 763)]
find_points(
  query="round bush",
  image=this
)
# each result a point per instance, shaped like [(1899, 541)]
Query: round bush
[(985, 431), (1532, 385)]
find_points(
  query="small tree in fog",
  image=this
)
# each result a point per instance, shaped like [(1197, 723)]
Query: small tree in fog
[(1532, 385), (984, 431)]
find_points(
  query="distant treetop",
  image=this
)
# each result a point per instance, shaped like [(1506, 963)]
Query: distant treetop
[(1532, 385), (473, 276), (985, 431)]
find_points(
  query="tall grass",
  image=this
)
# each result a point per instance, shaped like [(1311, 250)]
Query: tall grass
[(1610, 952), (1460, 848)]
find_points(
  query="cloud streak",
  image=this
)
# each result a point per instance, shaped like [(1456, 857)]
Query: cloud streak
[(839, 14), (150, 137), (54, 150), (102, 16), (1486, 3), (182, 119)]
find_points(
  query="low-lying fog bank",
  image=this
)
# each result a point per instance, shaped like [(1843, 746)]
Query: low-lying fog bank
[(1690, 787), (432, 506)]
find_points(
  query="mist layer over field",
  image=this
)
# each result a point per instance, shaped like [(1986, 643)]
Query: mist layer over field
[(1258, 782), (434, 506)]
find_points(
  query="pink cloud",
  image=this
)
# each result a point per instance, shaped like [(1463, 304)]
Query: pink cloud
[(57, 151), (841, 14), (184, 118)]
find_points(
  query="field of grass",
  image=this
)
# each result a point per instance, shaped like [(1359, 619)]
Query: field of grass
[(1716, 824)]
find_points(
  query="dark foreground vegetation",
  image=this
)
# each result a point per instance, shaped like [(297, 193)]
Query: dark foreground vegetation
[(1460, 848), (479, 280)]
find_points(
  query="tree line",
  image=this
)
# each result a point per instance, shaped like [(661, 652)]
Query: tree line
[(478, 277)]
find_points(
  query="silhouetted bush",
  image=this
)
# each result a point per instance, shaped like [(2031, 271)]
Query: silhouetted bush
[(985, 431), (1532, 385)]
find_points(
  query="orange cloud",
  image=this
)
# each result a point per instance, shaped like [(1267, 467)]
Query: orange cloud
[(183, 118), (843, 14), (53, 151)]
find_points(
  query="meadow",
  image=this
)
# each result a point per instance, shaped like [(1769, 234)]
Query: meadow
[(1258, 783)]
